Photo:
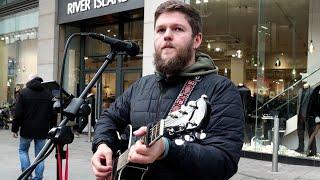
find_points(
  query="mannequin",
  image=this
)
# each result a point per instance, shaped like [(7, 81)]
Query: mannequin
[(312, 137), (245, 94), (303, 97), (308, 110), (313, 120)]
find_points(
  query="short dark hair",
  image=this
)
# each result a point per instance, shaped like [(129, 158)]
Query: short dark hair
[(37, 78), (192, 15)]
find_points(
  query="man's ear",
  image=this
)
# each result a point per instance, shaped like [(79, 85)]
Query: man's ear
[(197, 41)]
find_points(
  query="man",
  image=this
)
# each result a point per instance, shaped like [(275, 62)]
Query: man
[(33, 115), (177, 37)]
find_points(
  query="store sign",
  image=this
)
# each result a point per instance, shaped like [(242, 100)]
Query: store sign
[(84, 5), (74, 10)]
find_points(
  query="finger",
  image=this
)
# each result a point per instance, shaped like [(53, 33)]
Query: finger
[(96, 164), (140, 148), (139, 158), (141, 131), (103, 176)]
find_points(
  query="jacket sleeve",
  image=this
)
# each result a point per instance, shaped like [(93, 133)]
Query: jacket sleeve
[(18, 115), (216, 156), (113, 120)]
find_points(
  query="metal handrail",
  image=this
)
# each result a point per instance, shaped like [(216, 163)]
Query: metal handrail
[(284, 91)]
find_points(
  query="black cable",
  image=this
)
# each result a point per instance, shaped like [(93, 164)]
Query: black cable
[(63, 66)]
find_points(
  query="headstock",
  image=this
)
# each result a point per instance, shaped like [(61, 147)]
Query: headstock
[(186, 123), (189, 118)]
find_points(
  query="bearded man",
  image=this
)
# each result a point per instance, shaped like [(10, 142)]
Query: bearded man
[(178, 28)]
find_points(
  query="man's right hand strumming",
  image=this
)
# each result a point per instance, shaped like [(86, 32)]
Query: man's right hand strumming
[(101, 162)]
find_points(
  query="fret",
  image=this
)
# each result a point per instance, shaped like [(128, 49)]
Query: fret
[(123, 160)]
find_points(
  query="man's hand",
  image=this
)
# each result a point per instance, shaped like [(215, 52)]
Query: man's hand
[(101, 163), (141, 154), (15, 135)]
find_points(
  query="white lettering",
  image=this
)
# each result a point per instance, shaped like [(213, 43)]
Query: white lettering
[(76, 6), (85, 5), (110, 1), (97, 4), (70, 8)]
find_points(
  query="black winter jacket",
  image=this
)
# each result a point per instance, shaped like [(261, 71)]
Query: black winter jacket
[(33, 113), (150, 98)]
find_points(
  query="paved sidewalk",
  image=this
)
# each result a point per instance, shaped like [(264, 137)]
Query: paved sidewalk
[(79, 159), (80, 154)]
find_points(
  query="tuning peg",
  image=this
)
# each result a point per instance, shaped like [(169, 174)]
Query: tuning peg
[(204, 96), (200, 135), (179, 141), (189, 138), (173, 116), (192, 104), (182, 111)]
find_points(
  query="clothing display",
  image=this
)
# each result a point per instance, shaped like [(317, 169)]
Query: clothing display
[(307, 111), (245, 95)]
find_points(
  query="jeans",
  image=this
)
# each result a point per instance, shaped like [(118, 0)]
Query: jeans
[(24, 156)]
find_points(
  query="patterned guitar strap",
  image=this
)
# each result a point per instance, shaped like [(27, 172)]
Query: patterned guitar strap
[(185, 93)]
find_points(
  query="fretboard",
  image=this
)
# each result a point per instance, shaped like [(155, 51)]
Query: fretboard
[(123, 160)]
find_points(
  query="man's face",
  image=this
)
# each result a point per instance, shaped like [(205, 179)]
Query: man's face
[(173, 43)]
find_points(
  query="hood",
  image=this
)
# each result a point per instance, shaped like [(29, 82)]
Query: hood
[(203, 65), (35, 84)]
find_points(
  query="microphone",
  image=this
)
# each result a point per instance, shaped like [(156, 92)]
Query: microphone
[(129, 47)]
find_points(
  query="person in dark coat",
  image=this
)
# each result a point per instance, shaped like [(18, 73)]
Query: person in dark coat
[(33, 117), (177, 38)]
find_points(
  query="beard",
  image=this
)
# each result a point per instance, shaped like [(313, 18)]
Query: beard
[(175, 64)]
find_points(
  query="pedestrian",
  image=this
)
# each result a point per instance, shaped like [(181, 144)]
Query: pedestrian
[(178, 35), (33, 117)]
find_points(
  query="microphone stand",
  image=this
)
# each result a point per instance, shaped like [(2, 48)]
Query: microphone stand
[(62, 135)]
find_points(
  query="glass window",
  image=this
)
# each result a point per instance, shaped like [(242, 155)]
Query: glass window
[(261, 45), (129, 78)]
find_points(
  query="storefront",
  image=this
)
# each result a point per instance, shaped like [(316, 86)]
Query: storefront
[(117, 19), (264, 48), (18, 46)]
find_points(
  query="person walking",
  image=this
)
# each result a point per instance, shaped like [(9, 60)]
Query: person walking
[(33, 117)]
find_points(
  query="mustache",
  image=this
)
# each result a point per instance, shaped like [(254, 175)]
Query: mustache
[(167, 45)]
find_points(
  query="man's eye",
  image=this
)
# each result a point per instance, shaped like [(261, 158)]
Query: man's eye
[(161, 30), (178, 29)]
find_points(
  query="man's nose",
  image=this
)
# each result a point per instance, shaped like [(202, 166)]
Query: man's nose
[(168, 35)]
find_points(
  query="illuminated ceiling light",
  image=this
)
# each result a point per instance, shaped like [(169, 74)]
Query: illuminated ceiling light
[(198, 1), (311, 47), (108, 30), (217, 49), (239, 53), (280, 80), (278, 62), (85, 58), (205, 1), (114, 35), (209, 46)]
